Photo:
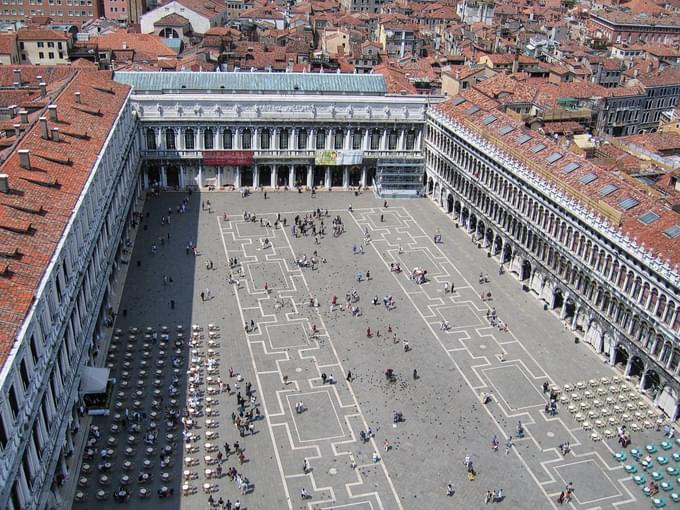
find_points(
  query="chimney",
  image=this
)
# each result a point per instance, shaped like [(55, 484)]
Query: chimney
[(77, 97), (38, 78), (17, 76), (17, 130), (4, 183), (43, 89), (25, 158), (52, 110), (44, 132), (55, 134), (124, 45), (23, 115)]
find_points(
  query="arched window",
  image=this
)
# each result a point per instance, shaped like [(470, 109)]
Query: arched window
[(375, 140), (321, 139), (302, 139), (208, 139), (283, 139), (339, 138), (246, 139), (189, 139), (227, 139), (392, 139), (264, 139), (169, 138), (356, 139), (410, 140), (151, 139)]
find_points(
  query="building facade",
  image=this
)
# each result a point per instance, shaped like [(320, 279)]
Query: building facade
[(309, 130), (51, 339), (516, 198)]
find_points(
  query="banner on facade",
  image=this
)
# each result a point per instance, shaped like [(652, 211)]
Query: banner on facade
[(228, 158), (338, 157)]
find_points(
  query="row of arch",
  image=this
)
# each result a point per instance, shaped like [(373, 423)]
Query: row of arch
[(589, 255), (263, 138)]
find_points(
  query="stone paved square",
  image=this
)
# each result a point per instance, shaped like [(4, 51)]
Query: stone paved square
[(307, 426), (597, 486), (443, 418), (514, 388)]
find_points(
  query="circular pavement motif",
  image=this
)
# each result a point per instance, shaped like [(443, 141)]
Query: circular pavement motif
[(333, 471), (550, 434), (298, 370)]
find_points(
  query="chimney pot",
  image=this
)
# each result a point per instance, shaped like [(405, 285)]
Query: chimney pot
[(25, 159), (55, 134), (16, 84), (23, 114), (17, 76), (4, 183), (77, 97), (43, 89), (52, 110), (44, 132), (17, 130), (39, 78)]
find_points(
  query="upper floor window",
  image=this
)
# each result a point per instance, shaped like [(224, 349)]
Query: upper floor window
[(169, 138), (283, 139), (356, 139), (321, 139), (151, 139), (246, 139), (227, 139), (410, 140), (264, 139), (393, 139), (302, 139), (208, 139), (375, 140), (339, 138), (189, 139)]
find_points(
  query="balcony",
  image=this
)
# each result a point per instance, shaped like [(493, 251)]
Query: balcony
[(291, 154)]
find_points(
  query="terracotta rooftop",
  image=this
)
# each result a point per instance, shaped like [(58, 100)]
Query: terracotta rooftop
[(41, 34), (623, 208), (8, 43), (41, 199), (171, 20)]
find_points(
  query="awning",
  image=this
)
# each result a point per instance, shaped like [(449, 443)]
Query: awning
[(94, 380)]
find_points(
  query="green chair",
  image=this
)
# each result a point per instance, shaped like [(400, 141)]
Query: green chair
[(639, 479), (651, 448), (666, 486), (630, 468), (647, 464), (620, 456), (675, 496), (666, 445), (658, 502), (646, 491), (673, 471), (676, 456), (635, 452), (656, 475), (662, 459)]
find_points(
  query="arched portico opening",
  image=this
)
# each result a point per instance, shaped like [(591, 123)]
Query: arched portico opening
[(355, 177), (558, 299), (507, 253), (449, 203), (637, 367), (247, 176), (265, 176), (172, 176), (525, 270), (569, 309), (430, 185), (300, 175), (651, 381), (282, 176), (621, 356)]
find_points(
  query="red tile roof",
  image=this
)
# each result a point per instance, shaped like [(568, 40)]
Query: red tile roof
[(34, 214), (41, 34), (8, 44), (650, 236)]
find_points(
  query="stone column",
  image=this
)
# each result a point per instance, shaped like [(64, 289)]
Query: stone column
[(365, 140), (256, 176), (345, 177), (237, 177), (348, 140), (164, 177), (236, 141), (310, 176), (273, 177), (219, 177), (612, 353), (159, 138), (575, 318), (274, 142), (293, 140), (200, 175), (328, 177), (418, 140), (311, 139), (643, 380), (364, 176), (291, 176), (400, 141), (383, 140), (563, 312)]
